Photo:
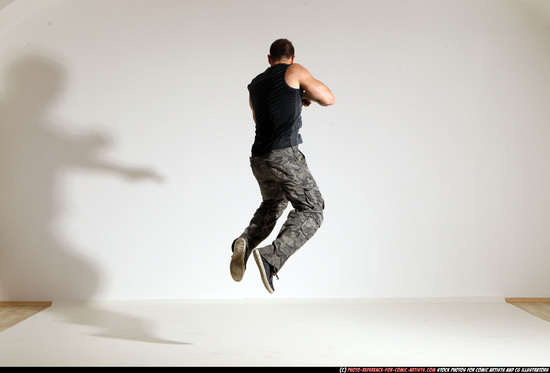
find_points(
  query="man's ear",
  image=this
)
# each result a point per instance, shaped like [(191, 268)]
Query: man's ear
[(292, 60), (269, 59)]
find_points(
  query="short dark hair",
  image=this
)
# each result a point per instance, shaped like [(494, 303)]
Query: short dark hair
[(281, 48)]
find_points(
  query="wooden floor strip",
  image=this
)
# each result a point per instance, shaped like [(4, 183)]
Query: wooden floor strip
[(540, 310), (26, 303), (12, 313), (527, 300)]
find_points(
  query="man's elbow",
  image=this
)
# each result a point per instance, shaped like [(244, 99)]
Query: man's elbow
[(328, 100)]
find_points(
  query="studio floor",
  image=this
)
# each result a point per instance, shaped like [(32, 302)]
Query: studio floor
[(332, 332)]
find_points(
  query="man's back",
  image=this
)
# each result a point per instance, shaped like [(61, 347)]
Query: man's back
[(277, 110)]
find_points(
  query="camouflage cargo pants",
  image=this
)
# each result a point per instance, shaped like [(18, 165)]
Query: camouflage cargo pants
[(283, 176)]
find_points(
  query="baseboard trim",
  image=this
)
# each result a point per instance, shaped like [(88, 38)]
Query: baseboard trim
[(26, 303), (527, 300)]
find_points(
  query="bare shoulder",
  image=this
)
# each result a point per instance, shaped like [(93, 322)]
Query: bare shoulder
[(295, 75), (297, 69)]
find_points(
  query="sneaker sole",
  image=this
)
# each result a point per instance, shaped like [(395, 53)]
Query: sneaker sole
[(237, 265), (258, 259)]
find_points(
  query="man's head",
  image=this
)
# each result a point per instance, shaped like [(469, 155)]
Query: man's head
[(281, 51)]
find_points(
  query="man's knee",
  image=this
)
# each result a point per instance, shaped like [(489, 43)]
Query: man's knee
[(276, 206), (314, 200)]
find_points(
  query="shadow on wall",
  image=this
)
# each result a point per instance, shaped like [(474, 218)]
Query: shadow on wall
[(36, 263), (5, 3)]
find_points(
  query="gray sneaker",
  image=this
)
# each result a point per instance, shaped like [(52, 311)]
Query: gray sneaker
[(267, 271), (239, 258)]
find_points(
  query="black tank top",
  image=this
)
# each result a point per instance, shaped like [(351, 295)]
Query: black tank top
[(277, 109)]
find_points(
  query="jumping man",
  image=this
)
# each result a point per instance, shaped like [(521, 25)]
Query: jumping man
[(276, 99)]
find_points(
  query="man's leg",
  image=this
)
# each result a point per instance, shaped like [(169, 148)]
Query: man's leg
[(260, 227), (300, 188), (272, 207)]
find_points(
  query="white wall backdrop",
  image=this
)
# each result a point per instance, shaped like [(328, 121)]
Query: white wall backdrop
[(125, 137)]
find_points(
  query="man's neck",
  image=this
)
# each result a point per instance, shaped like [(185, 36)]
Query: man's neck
[(285, 61)]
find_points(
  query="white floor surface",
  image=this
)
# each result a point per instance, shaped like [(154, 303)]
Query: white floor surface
[(333, 332)]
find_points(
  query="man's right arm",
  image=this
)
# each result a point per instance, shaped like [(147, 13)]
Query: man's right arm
[(314, 90)]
